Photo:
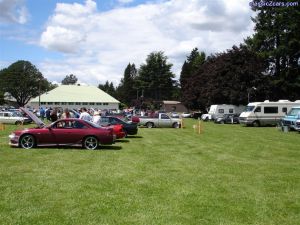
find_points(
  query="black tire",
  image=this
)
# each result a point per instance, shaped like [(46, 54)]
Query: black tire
[(175, 125), (90, 143), (256, 123), (18, 122), (27, 141), (149, 125)]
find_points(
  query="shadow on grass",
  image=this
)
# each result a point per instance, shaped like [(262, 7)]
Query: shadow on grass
[(122, 140), (134, 137), (100, 148)]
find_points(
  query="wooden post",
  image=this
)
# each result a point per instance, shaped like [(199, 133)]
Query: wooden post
[(181, 121), (2, 126), (199, 126)]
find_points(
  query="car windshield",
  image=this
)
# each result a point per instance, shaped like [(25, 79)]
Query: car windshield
[(17, 114), (294, 112), (249, 108)]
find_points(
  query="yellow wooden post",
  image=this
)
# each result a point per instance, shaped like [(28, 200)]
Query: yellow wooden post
[(182, 124), (2, 126), (199, 127)]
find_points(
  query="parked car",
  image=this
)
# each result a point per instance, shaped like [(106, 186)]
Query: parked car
[(186, 115), (297, 126), (159, 120), (291, 118), (64, 132), (228, 118), (128, 127), (13, 117), (117, 129)]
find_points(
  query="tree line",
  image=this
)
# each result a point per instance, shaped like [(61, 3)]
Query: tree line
[(265, 66)]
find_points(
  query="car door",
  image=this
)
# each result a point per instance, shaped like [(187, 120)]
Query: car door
[(165, 121), (67, 132)]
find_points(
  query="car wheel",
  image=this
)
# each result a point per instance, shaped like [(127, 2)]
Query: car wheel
[(18, 122), (256, 124), (90, 143), (27, 141), (149, 125), (175, 125)]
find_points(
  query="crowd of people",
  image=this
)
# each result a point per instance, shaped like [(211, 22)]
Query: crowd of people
[(92, 115)]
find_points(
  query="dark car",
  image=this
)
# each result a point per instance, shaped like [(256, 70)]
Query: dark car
[(129, 128), (65, 132), (228, 118)]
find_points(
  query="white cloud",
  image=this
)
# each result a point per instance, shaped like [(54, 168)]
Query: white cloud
[(99, 45), (125, 1), (13, 11)]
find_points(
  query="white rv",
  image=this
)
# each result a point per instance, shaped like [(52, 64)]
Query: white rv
[(220, 110), (266, 113)]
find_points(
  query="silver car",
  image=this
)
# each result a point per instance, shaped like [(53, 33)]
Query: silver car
[(14, 117)]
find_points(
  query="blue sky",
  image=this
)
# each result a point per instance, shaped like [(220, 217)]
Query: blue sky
[(96, 39)]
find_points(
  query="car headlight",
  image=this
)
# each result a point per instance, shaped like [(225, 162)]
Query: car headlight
[(11, 136)]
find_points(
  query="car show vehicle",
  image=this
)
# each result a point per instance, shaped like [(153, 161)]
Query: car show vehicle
[(219, 110), (160, 120), (266, 113), (13, 117), (291, 118), (228, 118), (64, 132), (129, 128)]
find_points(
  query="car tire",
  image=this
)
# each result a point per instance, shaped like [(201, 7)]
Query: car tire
[(256, 123), (175, 125), (90, 143), (27, 141), (18, 122), (149, 125)]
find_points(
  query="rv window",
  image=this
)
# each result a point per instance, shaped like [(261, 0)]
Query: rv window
[(284, 109), (249, 108), (221, 110), (270, 109), (258, 109), (230, 110)]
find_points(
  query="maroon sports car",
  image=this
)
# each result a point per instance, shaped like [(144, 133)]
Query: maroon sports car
[(65, 132)]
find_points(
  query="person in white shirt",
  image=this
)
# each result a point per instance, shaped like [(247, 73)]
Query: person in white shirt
[(96, 118), (84, 115)]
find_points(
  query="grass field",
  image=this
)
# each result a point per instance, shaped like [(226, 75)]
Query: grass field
[(227, 175)]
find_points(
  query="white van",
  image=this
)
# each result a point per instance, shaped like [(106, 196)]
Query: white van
[(266, 113), (220, 110)]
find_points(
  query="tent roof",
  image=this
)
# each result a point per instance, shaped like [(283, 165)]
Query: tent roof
[(75, 93)]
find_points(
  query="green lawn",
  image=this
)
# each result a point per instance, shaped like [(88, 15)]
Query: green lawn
[(227, 175)]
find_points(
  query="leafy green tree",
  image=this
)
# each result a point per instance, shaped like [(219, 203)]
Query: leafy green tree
[(23, 81), (227, 78), (277, 41), (69, 80), (2, 98), (156, 78)]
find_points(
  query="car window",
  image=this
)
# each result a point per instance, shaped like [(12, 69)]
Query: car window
[(164, 116), (78, 125)]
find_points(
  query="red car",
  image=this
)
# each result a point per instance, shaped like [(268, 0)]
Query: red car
[(64, 132), (117, 129)]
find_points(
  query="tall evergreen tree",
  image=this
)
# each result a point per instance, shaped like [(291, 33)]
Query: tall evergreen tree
[(277, 40), (126, 89), (189, 68), (108, 87), (156, 78)]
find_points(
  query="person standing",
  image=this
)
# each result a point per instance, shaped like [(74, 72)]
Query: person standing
[(53, 115), (96, 118), (84, 115), (66, 114), (42, 113)]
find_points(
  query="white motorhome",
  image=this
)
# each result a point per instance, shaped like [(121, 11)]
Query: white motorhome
[(266, 113), (220, 110)]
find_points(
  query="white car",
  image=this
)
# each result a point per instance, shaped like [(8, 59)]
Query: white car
[(186, 115), (14, 117)]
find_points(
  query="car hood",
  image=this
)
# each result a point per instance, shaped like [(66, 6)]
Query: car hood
[(37, 120)]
